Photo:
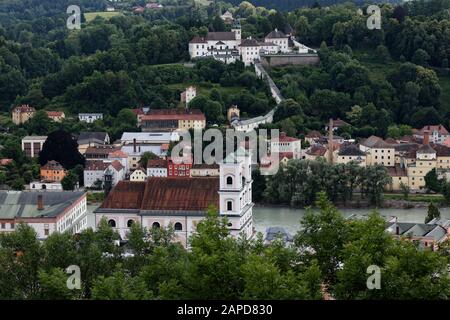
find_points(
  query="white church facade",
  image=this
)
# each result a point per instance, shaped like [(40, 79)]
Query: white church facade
[(184, 202)]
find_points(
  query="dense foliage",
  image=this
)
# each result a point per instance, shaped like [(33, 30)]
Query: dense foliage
[(297, 182), (330, 252)]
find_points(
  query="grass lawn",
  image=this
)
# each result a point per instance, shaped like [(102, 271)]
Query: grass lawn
[(106, 15), (205, 89), (203, 2)]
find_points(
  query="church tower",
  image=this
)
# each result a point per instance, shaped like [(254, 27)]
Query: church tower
[(235, 192), (236, 28)]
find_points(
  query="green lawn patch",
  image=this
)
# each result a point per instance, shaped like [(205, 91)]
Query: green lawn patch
[(89, 16)]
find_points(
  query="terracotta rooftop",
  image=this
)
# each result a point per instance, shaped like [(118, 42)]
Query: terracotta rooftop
[(439, 128), (284, 138), (117, 165), (317, 151), (173, 114), (314, 134), (175, 194), (157, 163), (55, 113), (24, 108), (101, 149), (118, 154), (52, 165), (96, 165)]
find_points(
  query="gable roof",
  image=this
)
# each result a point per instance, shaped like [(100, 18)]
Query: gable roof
[(217, 36), (96, 165), (165, 194), (102, 136), (350, 150), (157, 163), (439, 128), (276, 34)]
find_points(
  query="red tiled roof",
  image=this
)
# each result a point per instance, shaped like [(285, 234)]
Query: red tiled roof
[(52, 165), (55, 113), (157, 163), (317, 151), (96, 165), (174, 114), (198, 40), (24, 108), (125, 195), (118, 154), (4, 162), (439, 128), (117, 165), (284, 138), (101, 149), (178, 194)]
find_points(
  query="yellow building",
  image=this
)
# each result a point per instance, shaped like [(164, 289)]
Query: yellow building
[(378, 152), (172, 119), (425, 162), (351, 153), (399, 176), (22, 114)]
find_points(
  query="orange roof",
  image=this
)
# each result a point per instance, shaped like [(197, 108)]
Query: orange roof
[(118, 154)]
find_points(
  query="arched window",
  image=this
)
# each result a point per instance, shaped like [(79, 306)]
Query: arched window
[(156, 225), (112, 223), (130, 223), (178, 226), (229, 181), (230, 205)]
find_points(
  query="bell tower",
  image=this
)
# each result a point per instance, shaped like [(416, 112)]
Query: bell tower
[(235, 199)]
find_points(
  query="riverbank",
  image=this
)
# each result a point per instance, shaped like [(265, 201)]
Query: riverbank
[(390, 201)]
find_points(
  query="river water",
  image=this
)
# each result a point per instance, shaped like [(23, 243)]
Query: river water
[(289, 218)]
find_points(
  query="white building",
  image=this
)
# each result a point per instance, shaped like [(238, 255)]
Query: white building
[(157, 168), (278, 38), (46, 212), (90, 117), (43, 185), (189, 94), (32, 145), (138, 175), (229, 47), (94, 171), (183, 202), (287, 145)]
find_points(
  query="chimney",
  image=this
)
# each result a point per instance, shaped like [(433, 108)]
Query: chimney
[(426, 137), (330, 141), (134, 145), (40, 202)]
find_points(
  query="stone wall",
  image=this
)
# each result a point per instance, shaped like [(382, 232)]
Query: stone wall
[(289, 59)]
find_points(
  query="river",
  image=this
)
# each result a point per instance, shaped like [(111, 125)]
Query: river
[(289, 218)]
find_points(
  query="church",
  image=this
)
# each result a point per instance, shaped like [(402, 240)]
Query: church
[(183, 202)]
